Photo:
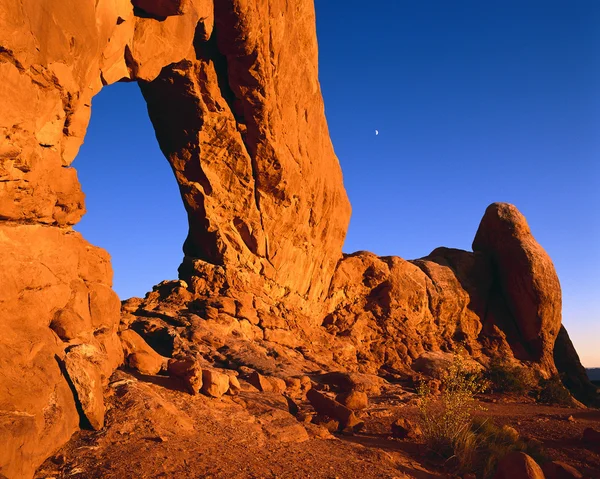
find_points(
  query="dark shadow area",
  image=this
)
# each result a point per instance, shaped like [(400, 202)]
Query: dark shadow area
[(83, 420), (167, 382)]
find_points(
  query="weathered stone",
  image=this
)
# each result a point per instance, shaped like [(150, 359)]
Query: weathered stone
[(189, 371), (560, 470), (260, 382), (510, 432), (591, 435), (333, 409), (139, 355), (355, 400), (436, 364), (214, 383), (404, 429), (234, 385), (526, 276), (81, 365), (518, 465), (68, 325)]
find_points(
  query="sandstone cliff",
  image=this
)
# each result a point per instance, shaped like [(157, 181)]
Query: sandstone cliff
[(233, 93)]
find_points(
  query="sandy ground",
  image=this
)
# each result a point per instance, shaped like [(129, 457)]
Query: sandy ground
[(154, 430)]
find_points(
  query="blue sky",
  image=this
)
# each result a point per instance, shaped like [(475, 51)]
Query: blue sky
[(475, 102)]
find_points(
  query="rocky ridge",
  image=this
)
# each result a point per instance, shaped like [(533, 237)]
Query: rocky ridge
[(233, 94)]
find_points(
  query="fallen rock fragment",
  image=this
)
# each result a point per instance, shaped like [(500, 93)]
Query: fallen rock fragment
[(234, 385), (404, 429), (330, 407), (260, 382), (435, 364), (326, 422), (591, 435), (139, 355), (84, 374), (214, 383), (518, 465), (560, 470), (510, 432), (266, 384), (346, 382), (355, 400), (189, 371)]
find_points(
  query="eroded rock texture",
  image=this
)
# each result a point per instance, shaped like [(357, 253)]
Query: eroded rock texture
[(241, 122), (232, 90)]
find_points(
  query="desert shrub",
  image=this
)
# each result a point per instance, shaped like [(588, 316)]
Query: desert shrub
[(445, 419), (463, 442), (552, 391), (494, 442), (507, 378)]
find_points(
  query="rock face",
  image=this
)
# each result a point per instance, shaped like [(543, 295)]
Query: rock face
[(251, 153), (47, 275), (241, 122), (232, 91)]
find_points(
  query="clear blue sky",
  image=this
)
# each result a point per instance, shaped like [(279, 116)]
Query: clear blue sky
[(475, 102)]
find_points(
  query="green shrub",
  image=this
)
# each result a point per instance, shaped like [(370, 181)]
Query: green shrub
[(463, 443), (494, 442), (552, 391), (446, 419), (507, 378)]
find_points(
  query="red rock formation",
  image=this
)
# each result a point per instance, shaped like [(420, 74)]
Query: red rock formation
[(232, 90), (251, 152), (526, 276)]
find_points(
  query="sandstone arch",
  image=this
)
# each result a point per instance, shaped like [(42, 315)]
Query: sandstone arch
[(267, 195)]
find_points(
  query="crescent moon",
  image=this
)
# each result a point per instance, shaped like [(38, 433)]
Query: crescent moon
[(376, 132)]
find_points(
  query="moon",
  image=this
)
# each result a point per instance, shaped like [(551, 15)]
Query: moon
[(376, 132)]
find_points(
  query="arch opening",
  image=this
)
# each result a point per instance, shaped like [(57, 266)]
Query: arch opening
[(134, 208)]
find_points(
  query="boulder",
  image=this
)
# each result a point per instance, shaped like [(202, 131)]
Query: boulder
[(510, 433), (139, 355), (435, 364), (591, 435), (405, 429), (355, 400), (560, 470), (526, 277), (81, 365), (267, 383), (518, 465), (331, 408), (189, 371), (214, 383)]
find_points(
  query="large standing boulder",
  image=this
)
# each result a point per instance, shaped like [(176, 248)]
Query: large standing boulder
[(526, 276)]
